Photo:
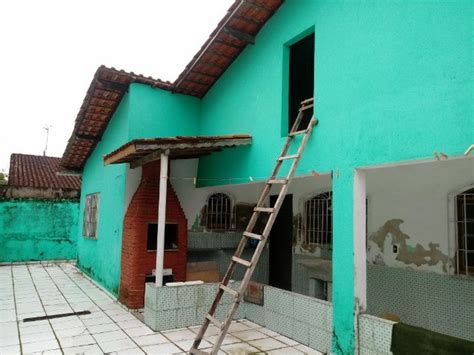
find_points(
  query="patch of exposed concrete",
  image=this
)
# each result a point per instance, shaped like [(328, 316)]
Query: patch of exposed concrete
[(408, 254)]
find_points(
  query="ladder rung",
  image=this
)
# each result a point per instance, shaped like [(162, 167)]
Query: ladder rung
[(306, 107), (264, 209), (229, 290), (198, 352), (292, 134), (241, 261), (311, 99), (214, 321), (288, 157), (277, 181), (253, 235)]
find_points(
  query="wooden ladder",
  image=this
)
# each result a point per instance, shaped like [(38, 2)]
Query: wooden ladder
[(261, 239)]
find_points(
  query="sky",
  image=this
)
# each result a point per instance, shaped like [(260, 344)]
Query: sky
[(50, 50)]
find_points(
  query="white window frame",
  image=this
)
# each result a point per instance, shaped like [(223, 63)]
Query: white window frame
[(86, 232)]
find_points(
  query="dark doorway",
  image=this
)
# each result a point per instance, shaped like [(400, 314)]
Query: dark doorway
[(281, 245), (301, 79)]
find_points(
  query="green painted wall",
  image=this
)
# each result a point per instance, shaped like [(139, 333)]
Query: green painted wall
[(393, 82), (100, 257), (144, 112), (159, 113), (32, 230)]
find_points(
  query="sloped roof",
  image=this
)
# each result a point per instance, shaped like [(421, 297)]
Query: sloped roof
[(39, 172), (142, 151), (240, 25)]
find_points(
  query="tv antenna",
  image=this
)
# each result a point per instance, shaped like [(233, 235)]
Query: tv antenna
[(46, 128)]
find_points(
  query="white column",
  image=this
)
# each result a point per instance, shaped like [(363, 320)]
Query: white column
[(360, 242), (160, 245)]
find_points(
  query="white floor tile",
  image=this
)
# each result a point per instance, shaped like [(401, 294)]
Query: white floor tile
[(78, 340), (286, 351), (286, 340), (84, 350), (37, 337), (251, 334), (102, 328), (153, 339), (110, 336), (162, 349), (239, 348), (267, 344), (40, 346), (10, 350), (139, 331), (180, 334), (229, 339), (237, 327), (117, 345)]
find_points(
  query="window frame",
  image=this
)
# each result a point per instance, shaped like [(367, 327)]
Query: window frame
[(306, 238), (231, 218), (462, 263), (86, 214), (453, 230)]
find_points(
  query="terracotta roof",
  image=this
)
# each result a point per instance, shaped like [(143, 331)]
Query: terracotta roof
[(141, 151), (39, 172), (234, 32)]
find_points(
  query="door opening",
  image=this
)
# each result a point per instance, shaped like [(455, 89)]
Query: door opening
[(301, 79), (281, 245)]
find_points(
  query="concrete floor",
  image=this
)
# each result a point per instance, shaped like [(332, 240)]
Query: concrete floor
[(35, 290)]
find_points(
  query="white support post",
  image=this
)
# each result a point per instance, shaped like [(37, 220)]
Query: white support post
[(160, 245), (360, 241)]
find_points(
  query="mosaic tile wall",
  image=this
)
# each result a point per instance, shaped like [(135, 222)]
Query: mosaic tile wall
[(375, 335), (440, 303), (219, 247), (302, 318), (183, 306)]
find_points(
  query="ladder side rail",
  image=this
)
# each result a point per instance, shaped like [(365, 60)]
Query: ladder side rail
[(261, 245)]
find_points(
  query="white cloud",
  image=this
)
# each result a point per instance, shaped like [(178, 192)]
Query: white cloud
[(49, 51)]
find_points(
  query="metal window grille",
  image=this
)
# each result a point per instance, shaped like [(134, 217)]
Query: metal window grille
[(465, 233), (318, 218), (89, 227), (219, 213)]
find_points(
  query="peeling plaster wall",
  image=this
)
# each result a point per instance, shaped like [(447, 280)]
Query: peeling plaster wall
[(35, 230), (408, 214)]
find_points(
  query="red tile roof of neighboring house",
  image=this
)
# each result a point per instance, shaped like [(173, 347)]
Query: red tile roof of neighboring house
[(39, 172), (235, 31)]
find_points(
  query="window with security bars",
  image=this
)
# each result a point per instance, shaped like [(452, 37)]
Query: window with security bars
[(318, 220), (89, 227), (219, 212), (465, 233)]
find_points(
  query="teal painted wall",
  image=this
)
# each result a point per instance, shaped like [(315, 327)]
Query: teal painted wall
[(144, 112), (393, 82), (159, 113), (33, 230), (100, 257)]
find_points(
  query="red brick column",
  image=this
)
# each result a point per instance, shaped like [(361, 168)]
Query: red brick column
[(137, 262)]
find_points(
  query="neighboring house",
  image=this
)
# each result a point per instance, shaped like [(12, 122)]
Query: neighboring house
[(38, 211), (36, 176), (377, 221)]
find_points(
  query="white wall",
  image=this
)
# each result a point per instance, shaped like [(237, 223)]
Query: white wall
[(193, 199), (417, 195)]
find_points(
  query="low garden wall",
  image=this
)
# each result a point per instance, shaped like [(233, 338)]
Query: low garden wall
[(36, 230)]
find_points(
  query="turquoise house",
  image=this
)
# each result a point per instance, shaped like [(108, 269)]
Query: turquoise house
[(377, 228)]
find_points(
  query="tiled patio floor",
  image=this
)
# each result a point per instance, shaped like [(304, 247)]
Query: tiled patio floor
[(35, 290)]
